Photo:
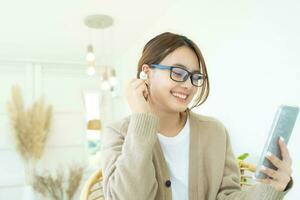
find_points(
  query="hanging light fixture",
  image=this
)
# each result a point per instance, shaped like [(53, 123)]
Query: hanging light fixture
[(91, 70), (108, 75), (105, 84), (95, 22), (112, 77), (90, 56)]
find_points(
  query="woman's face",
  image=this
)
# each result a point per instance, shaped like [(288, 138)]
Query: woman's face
[(166, 94)]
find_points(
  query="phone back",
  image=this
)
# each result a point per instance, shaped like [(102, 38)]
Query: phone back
[(282, 126)]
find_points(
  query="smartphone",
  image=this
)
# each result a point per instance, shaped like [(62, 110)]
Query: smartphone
[(282, 126)]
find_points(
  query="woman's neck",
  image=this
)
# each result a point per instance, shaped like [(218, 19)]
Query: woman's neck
[(171, 123)]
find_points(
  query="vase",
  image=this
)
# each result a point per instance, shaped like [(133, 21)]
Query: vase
[(28, 193)]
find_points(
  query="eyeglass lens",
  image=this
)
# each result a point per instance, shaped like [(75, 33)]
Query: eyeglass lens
[(181, 75)]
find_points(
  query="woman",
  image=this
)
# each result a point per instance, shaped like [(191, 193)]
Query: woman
[(165, 151)]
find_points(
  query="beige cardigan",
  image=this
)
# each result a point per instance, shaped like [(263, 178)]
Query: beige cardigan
[(134, 167)]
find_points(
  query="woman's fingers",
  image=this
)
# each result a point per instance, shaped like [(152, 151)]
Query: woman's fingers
[(133, 86), (270, 172), (143, 89), (130, 82), (136, 94), (274, 160), (284, 151), (281, 177), (136, 83)]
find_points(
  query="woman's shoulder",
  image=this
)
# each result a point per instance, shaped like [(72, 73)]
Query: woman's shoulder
[(201, 118), (210, 127)]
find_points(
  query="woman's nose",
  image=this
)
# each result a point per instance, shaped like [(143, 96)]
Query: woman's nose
[(187, 83)]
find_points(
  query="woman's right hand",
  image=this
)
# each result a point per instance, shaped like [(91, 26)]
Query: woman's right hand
[(136, 94)]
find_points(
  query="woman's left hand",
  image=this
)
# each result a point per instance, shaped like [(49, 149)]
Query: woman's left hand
[(281, 177)]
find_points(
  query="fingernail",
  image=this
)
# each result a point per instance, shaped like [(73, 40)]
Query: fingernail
[(269, 153), (263, 168), (282, 139)]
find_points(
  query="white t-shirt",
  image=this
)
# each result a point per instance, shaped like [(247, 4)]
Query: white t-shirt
[(176, 153)]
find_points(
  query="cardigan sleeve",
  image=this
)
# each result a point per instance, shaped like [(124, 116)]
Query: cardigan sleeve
[(128, 170), (230, 188)]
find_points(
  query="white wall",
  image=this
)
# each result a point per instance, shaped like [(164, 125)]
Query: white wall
[(62, 84), (251, 52)]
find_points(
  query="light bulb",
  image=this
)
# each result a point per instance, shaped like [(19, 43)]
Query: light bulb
[(90, 57), (91, 70), (105, 85), (113, 80)]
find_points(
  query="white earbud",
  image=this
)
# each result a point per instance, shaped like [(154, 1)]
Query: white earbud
[(143, 75)]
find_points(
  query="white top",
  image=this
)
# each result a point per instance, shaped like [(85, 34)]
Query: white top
[(176, 153)]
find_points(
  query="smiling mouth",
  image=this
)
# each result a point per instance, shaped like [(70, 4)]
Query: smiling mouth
[(179, 96)]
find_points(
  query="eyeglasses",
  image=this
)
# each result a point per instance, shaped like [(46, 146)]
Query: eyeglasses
[(179, 74)]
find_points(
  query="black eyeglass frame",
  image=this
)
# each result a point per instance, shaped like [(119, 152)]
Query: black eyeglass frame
[(159, 66)]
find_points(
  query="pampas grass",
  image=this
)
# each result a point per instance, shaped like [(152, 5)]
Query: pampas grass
[(52, 186), (75, 176), (48, 185), (31, 126), (31, 129)]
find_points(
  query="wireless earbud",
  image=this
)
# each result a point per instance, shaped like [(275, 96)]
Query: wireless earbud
[(143, 75)]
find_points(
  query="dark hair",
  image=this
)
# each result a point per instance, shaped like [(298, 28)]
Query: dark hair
[(162, 45)]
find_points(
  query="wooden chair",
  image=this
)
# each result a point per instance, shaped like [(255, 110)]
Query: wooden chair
[(93, 189), (245, 179)]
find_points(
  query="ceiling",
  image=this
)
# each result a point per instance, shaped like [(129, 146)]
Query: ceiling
[(54, 30)]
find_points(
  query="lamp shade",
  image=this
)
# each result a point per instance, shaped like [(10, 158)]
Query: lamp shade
[(94, 124)]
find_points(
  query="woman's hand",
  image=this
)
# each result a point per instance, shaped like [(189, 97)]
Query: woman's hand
[(282, 176), (136, 95)]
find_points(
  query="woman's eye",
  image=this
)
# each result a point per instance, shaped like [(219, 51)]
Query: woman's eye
[(177, 74), (197, 77)]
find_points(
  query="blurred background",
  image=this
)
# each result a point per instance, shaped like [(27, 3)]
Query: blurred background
[(58, 49)]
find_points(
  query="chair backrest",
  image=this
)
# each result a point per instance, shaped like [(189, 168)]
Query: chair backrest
[(245, 179), (93, 189)]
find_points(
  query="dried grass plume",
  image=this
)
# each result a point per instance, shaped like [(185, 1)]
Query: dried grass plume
[(52, 186), (30, 127)]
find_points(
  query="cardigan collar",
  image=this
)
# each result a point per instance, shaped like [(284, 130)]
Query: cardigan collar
[(195, 188)]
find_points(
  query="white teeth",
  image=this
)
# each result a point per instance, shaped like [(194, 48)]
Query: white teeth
[(182, 96)]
